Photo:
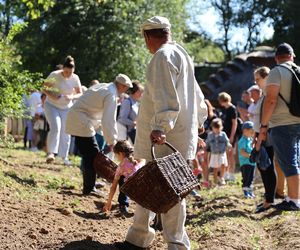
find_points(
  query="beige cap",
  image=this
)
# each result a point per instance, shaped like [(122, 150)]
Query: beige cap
[(254, 87), (124, 79), (156, 22)]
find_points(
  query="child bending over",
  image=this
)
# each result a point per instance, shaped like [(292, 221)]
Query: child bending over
[(127, 167)]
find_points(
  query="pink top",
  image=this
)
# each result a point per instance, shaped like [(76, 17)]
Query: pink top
[(126, 168)]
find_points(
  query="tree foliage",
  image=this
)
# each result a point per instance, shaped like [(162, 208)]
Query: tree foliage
[(286, 21), (102, 36), (14, 83), (12, 10), (232, 16), (202, 49)]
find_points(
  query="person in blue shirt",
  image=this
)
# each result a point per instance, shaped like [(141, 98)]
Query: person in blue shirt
[(129, 110), (245, 146)]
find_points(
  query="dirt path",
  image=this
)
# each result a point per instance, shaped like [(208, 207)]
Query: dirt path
[(42, 208)]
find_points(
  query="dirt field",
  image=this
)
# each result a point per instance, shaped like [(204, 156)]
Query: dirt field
[(42, 208)]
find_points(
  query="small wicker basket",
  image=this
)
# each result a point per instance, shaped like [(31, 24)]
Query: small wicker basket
[(105, 167), (161, 183)]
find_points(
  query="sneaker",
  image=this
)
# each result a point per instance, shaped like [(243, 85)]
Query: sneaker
[(246, 194), (195, 194), (231, 177), (226, 176), (205, 184), (123, 209), (50, 158), (251, 194), (95, 191), (100, 184), (34, 149), (260, 208), (222, 182), (287, 206), (67, 162)]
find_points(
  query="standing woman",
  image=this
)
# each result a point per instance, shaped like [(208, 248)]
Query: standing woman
[(272, 177), (61, 87), (129, 109)]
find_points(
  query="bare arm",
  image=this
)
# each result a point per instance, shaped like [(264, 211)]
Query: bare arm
[(113, 188), (244, 153), (270, 102), (78, 93), (233, 130)]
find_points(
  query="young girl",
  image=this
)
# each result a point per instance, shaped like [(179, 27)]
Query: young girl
[(127, 167), (217, 141)]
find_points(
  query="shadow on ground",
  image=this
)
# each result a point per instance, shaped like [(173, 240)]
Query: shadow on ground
[(87, 245)]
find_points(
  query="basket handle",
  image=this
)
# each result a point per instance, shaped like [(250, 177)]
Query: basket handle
[(166, 143)]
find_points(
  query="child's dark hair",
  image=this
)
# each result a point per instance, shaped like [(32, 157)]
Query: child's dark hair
[(216, 123), (136, 85), (69, 62), (125, 147)]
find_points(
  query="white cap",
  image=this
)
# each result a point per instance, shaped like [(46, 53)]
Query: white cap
[(156, 22), (124, 80), (254, 87)]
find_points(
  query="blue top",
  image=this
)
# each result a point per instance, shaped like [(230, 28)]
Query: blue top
[(128, 113), (217, 143), (246, 144)]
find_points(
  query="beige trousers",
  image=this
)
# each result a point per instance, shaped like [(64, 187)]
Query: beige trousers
[(141, 234)]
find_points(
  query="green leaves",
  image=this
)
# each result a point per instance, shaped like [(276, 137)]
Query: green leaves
[(103, 36), (14, 83)]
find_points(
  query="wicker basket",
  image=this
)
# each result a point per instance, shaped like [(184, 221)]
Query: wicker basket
[(105, 167), (161, 183)]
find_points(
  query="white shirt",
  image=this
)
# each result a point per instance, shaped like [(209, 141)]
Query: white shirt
[(172, 102), (96, 107), (34, 102), (254, 114), (64, 86)]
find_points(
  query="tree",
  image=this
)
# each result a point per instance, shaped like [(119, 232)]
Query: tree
[(202, 49), (11, 10), (233, 16), (251, 14), (14, 83), (286, 20), (103, 36)]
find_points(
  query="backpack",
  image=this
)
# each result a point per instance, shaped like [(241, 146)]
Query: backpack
[(294, 104)]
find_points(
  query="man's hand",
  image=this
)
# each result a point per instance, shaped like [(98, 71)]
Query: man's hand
[(158, 137)]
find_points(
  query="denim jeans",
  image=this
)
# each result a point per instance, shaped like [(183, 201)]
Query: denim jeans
[(122, 199), (58, 141), (286, 143)]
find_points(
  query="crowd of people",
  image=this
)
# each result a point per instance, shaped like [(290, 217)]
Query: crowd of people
[(259, 132)]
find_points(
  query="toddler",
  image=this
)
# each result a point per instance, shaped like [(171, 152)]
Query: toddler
[(245, 146), (217, 142)]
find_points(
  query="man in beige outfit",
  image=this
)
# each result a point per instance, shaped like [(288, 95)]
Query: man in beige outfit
[(172, 108)]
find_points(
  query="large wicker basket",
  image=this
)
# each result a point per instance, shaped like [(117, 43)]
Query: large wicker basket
[(161, 183), (104, 167)]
